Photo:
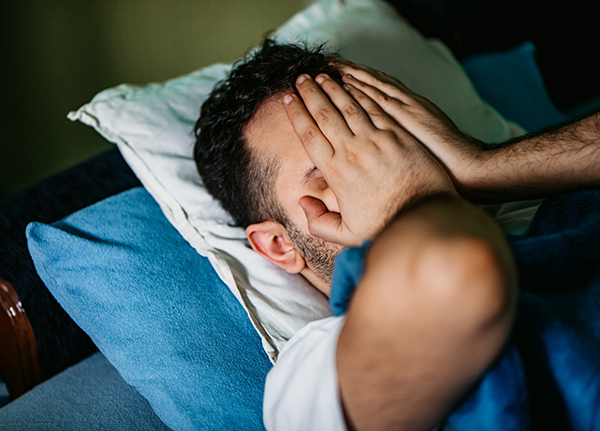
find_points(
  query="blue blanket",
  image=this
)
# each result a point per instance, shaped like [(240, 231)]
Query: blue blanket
[(548, 376)]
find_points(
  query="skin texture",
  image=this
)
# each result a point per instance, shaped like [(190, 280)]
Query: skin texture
[(433, 310), (372, 164), (270, 134), (375, 161), (437, 299), (376, 169), (564, 158)]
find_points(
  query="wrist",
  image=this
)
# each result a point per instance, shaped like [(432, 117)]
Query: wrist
[(470, 173)]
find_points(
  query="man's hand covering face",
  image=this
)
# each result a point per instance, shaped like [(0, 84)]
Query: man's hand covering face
[(372, 164)]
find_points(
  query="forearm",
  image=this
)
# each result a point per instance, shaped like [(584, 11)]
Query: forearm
[(553, 162), (535, 166), (432, 312)]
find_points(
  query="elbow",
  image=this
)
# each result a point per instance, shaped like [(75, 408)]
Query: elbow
[(462, 289), (435, 320), (474, 283), (464, 284)]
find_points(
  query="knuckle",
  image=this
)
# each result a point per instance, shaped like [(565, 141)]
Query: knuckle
[(350, 110), (317, 230), (322, 115), (352, 156), (359, 96), (380, 78), (380, 74), (308, 136), (382, 97), (375, 112), (308, 89)]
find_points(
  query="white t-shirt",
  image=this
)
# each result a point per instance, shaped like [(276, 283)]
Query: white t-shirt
[(302, 389)]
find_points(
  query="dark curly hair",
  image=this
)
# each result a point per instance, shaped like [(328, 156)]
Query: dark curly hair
[(242, 181)]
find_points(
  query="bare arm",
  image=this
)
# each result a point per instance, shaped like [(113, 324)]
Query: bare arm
[(552, 162), (433, 310), (437, 299), (533, 166)]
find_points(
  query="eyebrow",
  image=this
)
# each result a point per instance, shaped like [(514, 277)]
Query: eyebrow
[(310, 174)]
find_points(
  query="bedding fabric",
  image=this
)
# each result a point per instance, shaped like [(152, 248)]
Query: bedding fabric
[(60, 342), (89, 396), (156, 310), (152, 126), (511, 82), (548, 377)]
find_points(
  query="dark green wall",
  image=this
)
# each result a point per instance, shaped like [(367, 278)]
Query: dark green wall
[(56, 54)]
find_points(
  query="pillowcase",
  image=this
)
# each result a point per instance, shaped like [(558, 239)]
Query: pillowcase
[(511, 82), (156, 309), (152, 127)]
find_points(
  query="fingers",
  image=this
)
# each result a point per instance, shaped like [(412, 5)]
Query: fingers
[(383, 113), (347, 66), (388, 93), (316, 144), (393, 101), (413, 112), (389, 97), (321, 222), (325, 114), (376, 114), (337, 114), (325, 224), (328, 117), (377, 84)]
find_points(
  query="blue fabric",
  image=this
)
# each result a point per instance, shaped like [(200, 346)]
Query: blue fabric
[(548, 377), (511, 82), (89, 396), (60, 341), (157, 311), (348, 270)]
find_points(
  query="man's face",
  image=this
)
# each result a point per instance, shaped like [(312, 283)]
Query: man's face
[(270, 134)]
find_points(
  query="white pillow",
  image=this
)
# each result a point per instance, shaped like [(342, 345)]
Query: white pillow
[(152, 127)]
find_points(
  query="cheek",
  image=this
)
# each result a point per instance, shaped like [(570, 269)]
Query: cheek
[(289, 192), (288, 197)]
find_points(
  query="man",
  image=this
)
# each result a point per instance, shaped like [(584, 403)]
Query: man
[(436, 302), (241, 179)]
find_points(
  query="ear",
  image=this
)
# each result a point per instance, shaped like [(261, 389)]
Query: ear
[(270, 240)]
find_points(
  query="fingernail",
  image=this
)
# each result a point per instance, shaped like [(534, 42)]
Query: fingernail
[(301, 79), (287, 99), (319, 79)]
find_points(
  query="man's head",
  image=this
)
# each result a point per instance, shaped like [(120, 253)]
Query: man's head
[(252, 162)]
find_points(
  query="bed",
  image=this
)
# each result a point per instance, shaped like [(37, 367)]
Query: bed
[(132, 299)]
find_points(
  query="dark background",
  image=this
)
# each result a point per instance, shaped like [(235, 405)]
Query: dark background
[(566, 35), (56, 54)]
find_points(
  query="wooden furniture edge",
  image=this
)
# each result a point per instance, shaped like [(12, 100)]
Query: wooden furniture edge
[(18, 348)]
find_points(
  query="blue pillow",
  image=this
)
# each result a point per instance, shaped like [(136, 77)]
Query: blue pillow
[(157, 310), (511, 82)]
